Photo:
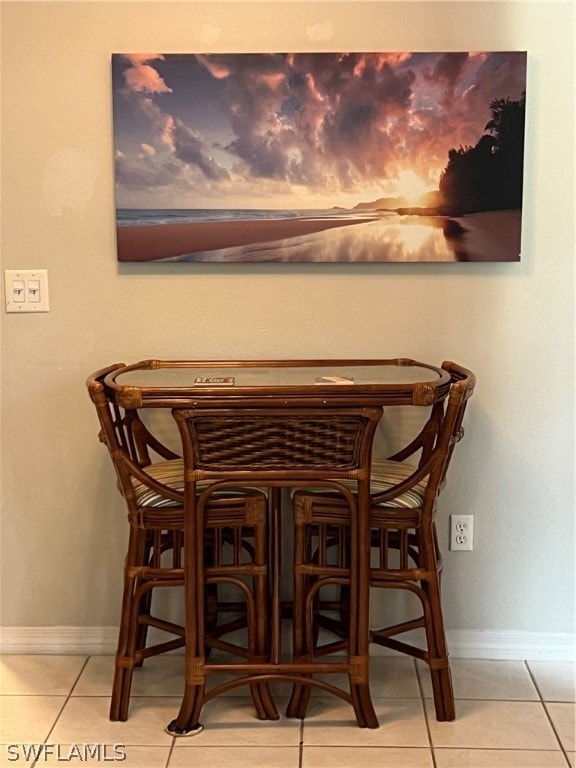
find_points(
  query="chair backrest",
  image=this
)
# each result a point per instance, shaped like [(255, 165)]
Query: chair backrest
[(435, 443), (277, 444), (130, 443), (462, 384)]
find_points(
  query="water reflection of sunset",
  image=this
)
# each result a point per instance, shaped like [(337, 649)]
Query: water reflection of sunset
[(415, 236), (386, 239)]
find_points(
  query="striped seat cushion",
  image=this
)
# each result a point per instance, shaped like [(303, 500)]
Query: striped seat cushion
[(171, 473), (385, 475)]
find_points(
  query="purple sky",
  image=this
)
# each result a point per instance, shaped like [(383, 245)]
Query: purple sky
[(305, 130)]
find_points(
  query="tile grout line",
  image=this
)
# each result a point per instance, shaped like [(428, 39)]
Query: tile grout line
[(423, 702), (170, 752), (301, 745), (535, 684), (75, 683), (66, 700)]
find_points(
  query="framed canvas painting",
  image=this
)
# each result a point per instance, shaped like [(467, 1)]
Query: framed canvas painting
[(319, 157)]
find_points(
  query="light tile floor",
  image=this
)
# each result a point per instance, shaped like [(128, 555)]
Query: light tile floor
[(509, 715)]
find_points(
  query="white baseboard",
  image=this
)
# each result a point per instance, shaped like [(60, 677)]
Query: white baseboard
[(511, 644), (463, 643), (92, 641)]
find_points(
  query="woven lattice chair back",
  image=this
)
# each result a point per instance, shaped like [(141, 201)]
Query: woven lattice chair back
[(276, 443)]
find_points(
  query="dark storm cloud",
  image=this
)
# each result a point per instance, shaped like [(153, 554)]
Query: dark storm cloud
[(256, 89), (448, 68), (189, 148), (309, 118)]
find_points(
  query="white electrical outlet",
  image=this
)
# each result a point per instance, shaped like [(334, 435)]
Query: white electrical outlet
[(461, 532)]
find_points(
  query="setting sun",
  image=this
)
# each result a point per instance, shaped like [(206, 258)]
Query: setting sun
[(411, 185)]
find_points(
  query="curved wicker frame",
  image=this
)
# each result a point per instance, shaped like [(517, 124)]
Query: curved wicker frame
[(275, 445), (323, 538), (236, 523)]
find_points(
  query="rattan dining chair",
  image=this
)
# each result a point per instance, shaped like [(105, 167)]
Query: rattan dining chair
[(151, 480), (274, 445), (405, 552)]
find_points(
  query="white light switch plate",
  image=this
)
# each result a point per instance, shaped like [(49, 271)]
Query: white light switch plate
[(26, 290)]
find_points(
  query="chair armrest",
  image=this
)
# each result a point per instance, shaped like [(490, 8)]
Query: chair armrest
[(424, 441), (145, 441)]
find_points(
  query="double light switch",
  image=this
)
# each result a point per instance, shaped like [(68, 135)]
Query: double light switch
[(26, 290)]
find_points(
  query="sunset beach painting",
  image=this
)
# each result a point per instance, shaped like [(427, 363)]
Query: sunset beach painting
[(319, 157)]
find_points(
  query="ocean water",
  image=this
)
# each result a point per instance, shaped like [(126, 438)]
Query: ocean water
[(139, 217)]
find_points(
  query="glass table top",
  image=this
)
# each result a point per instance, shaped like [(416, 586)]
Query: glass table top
[(150, 379), (195, 374)]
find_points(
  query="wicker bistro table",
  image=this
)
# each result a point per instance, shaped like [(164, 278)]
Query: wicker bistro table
[(276, 424)]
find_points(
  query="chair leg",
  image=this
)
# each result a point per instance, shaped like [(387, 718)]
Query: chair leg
[(142, 631), (186, 723), (128, 632), (263, 701), (363, 707), (146, 606), (359, 608), (124, 668), (443, 694), (438, 655), (300, 696), (358, 651), (437, 647), (261, 696), (120, 700)]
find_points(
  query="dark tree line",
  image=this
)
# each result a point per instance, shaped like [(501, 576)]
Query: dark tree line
[(489, 175)]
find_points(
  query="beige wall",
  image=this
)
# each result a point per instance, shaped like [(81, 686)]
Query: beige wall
[(63, 529)]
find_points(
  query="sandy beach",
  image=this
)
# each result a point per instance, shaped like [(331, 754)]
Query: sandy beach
[(488, 236), (164, 241)]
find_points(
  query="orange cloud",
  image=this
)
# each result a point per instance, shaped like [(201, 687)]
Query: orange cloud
[(141, 77)]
